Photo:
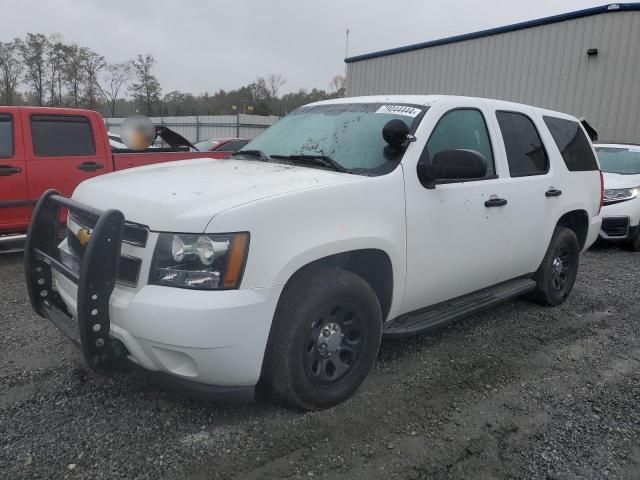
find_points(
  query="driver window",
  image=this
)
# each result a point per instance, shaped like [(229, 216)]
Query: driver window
[(460, 129)]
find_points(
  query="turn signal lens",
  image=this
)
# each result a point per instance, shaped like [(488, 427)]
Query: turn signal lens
[(238, 255)]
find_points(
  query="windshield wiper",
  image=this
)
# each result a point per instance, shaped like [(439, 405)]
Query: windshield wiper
[(321, 160), (259, 154)]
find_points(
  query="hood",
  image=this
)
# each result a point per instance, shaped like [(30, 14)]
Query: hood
[(617, 180), (184, 196)]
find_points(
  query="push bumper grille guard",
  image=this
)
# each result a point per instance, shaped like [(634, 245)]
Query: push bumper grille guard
[(95, 277)]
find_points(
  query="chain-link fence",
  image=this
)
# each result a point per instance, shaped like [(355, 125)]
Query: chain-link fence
[(197, 128)]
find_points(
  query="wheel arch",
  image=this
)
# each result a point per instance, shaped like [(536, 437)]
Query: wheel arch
[(578, 222), (374, 265)]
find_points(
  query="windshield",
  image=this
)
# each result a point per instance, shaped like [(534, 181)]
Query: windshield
[(206, 145), (350, 134), (624, 160)]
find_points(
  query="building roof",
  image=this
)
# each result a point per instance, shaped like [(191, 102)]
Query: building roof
[(612, 7)]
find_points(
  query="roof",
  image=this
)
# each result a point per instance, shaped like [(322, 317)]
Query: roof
[(424, 100), (615, 144), (430, 100), (612, 7)]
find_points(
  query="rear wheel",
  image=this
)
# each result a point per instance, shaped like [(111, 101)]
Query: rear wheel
[(557, 272), (324, 339)]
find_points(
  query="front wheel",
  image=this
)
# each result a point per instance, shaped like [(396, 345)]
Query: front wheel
[(557, 272), (324, 338)]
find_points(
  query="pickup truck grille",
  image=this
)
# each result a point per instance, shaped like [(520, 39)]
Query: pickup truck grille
[(616, 226), (129, 269)]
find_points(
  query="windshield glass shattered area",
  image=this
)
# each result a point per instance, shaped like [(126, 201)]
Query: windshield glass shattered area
[(624, 160), (350, 134)]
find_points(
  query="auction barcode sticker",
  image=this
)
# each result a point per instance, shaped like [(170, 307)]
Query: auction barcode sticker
[(399, 110)]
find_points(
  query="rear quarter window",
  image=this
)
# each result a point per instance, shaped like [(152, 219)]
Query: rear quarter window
[(62, 136), (573, 144), (526, 154), (6, 136)]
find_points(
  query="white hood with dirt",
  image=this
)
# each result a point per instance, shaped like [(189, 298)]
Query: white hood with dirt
[(184, 196)]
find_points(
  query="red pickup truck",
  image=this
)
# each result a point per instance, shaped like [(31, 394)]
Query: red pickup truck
[(42, 148)]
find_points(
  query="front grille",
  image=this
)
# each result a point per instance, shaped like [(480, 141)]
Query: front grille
[(133, 233), (616, 226), (129, 269)]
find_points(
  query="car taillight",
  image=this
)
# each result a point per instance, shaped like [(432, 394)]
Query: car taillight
[(601, 192)]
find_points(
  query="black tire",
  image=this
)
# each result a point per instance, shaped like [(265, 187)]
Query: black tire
[(296, 368), (634, 243), (557, 272)]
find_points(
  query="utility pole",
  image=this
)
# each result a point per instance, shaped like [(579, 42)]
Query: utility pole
[(346, 52)]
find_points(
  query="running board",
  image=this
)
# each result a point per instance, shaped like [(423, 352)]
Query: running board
[(445, 312), (12, 243), (18, 237)]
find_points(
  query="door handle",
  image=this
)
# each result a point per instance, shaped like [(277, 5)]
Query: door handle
[(90, 166), (495, 202), (7, 170), (552, 192)]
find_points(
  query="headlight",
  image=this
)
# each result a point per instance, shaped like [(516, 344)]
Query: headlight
[(621, 194), (201, 262)]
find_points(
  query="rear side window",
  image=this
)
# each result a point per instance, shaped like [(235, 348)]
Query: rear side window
[(573, 144), (460, 129), (62, 135), (232, 146), (6, 136), (525, 151)]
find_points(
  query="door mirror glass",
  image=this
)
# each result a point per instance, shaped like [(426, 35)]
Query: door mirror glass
[(455, 164)]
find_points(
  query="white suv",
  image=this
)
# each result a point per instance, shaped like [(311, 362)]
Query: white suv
[(620, 165), (347, 220)]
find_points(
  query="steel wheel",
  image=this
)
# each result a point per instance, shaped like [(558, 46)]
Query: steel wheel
[(558, 270), (324, 338), (561, 268), (334, 344)]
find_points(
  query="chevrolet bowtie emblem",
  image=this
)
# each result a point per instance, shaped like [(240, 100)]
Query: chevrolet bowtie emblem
[(83, 236)]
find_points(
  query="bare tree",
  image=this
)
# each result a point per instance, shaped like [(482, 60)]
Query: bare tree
[(146, 90), (260, 89), (337, 85), (114, 77), (55, 57), (10, 71), (275, 81), (33, 52), (93, 64), (75, 58)]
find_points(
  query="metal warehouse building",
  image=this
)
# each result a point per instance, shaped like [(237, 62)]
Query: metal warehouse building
[(586, 63)]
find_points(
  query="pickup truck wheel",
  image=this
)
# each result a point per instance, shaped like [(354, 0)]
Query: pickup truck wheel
[(324, 338), (557, 272)]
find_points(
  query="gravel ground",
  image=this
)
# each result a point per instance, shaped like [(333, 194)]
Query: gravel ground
[(519, 391)]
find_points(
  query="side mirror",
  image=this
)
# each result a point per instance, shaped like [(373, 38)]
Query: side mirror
[(395, 132), (456, 164)]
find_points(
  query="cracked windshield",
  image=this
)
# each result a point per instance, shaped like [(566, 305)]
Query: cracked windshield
[(350, 134)]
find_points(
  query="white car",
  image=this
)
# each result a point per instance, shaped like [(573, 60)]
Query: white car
[(347, 220), (620, 165)]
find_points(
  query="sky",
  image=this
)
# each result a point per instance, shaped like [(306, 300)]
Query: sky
[(207, 45)]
